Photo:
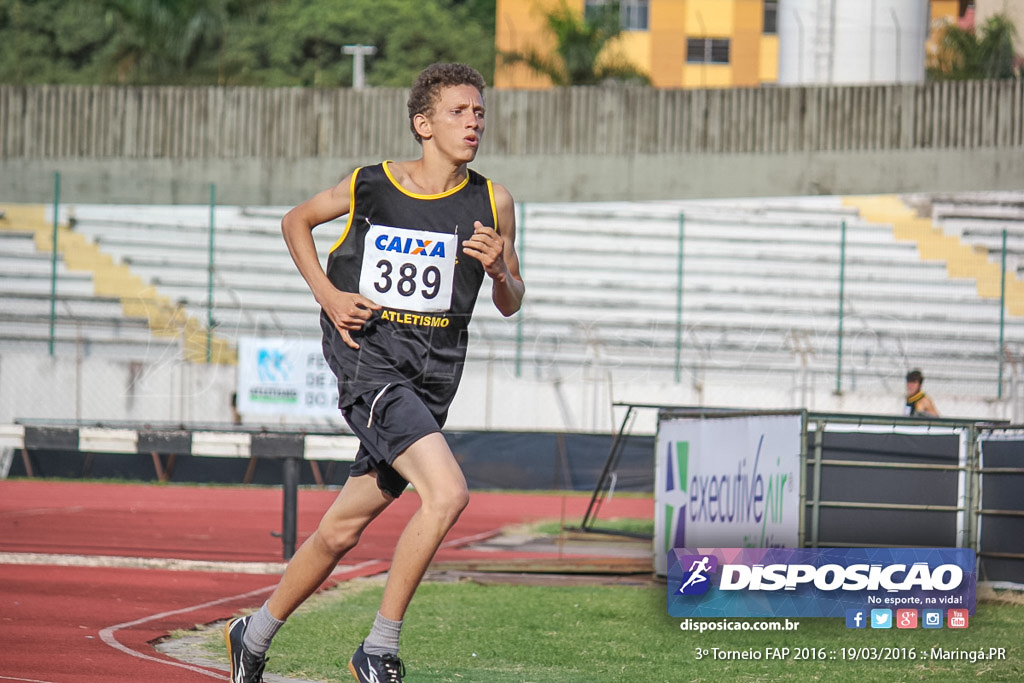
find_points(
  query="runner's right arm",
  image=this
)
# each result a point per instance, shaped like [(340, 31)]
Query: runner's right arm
[(347, 310)]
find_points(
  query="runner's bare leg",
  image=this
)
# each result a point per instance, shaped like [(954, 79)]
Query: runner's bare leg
[(431, 468), (359, 503)]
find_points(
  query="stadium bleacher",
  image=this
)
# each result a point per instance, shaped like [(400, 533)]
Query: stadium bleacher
[(758, 302), (758, 275), (257, 290), (980, 219), (80, 317)]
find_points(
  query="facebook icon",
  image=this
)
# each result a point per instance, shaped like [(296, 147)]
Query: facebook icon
[(856, 618)]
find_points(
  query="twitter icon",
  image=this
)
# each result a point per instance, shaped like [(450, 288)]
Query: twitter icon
[(881, 618)]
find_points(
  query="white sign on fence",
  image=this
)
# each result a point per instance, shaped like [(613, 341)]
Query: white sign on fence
[(726, 482), (285, 377)]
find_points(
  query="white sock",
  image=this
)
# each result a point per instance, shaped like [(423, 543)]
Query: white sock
[(383, 638), (260, 630)]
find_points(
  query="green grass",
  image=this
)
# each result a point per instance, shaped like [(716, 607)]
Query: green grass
[(629, 525), (515, 634)]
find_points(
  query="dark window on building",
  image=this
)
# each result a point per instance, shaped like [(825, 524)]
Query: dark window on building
[(771, 17), (707, 50), (633, 14)]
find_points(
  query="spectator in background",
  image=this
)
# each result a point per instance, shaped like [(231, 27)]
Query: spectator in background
[(918, 403)]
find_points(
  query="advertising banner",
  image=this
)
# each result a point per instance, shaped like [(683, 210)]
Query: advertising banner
[(868, 586), (285, 377), (726, 482)]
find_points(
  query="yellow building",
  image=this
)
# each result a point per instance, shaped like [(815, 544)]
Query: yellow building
[(677, 43), (943, 13)]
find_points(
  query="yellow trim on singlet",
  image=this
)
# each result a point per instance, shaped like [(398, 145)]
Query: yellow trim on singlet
[(494, 208), (404, 191), (351, 208), (915, 399)]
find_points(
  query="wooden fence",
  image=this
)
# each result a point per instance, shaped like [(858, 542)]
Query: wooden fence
[(95, 122)]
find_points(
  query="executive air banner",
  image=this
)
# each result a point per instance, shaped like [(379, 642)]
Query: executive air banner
[(285, 377), (726, 482)]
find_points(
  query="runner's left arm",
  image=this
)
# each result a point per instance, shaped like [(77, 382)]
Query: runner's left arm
[(495, 249)]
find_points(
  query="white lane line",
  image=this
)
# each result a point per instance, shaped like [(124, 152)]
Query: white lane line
[(27, 680), (172, 564), (466, 540), (107, 634), (108, 637)]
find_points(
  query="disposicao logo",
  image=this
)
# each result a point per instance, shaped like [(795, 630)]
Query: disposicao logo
[(825, 582), (696, 580)]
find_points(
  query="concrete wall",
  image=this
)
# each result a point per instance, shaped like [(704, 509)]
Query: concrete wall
[(530, 178), (35, 386)]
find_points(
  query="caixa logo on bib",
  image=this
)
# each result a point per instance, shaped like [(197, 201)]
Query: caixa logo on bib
[(409, 245), (821, 582)]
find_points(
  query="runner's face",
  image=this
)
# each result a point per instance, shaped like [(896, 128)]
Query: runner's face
[(457, 124)]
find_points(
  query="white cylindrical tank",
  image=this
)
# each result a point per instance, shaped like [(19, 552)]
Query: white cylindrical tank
[(852, 41)]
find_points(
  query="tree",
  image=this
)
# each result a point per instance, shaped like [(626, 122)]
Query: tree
[(580, 56), (966, 54), (161, 41), (299, 43), (50, 41), (238, 42)]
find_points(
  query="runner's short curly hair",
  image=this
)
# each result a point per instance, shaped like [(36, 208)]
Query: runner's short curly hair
[(430, 82)]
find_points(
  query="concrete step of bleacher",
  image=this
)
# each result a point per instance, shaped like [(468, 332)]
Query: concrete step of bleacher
[(72, 306), (757, 274)]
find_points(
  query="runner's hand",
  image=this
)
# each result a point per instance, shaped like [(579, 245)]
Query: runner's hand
[(487, 247), (348, 311)]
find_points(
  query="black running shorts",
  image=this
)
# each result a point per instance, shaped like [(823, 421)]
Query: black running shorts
[(387, 421)]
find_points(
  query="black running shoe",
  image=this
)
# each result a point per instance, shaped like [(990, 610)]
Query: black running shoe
[(245, 666), (386, 668)]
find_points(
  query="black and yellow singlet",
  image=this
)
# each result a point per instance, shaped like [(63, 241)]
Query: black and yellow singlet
[(404, 251), (911, 408)]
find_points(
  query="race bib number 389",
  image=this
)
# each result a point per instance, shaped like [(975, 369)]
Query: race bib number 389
[(408, 269)]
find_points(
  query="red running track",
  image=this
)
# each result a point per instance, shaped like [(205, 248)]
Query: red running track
[(62, 622)]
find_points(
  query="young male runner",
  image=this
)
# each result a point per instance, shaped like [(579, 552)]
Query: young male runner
[(396, 298)]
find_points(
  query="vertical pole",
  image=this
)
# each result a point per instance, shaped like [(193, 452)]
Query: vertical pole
[(1002, 314), (968, 461), (209, 277), (289, 513), (801, 525), (819, 437), (53, 262), (359, 53), (976, 469), (679, 298), (520, 250), (842, 296), (609, 464)]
